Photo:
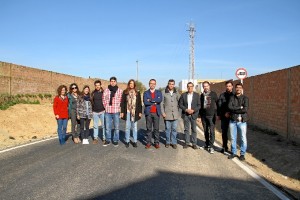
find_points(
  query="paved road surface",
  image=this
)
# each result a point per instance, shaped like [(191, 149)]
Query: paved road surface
[(49, 171)]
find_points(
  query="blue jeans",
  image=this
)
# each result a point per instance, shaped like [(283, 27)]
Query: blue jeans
[(96, 117), (130, 125), (238, 128), (109, 119), (171, 131), (61, 130)]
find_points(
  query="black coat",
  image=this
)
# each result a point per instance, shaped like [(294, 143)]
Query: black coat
[(238, 105), (183, 104), (212, 109), (138, 108)]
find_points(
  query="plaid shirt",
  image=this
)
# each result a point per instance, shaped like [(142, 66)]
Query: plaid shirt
[(115, 107)]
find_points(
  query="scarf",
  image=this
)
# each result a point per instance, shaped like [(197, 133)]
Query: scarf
[(131, 103), (113, 90), (86, 97), (207, 100)]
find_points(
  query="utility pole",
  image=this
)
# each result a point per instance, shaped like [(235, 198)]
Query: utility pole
[(192, 31), (137, 70)]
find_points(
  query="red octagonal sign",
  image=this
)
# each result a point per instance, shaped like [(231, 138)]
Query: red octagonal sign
[(241, 73)]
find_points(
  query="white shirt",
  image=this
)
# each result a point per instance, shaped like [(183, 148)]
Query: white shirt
[(189, 99), (171, 92)]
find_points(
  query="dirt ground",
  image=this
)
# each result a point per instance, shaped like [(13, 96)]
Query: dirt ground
[(270, 155), (273, 158)]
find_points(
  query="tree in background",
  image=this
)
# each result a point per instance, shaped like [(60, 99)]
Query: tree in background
[(140, 87)]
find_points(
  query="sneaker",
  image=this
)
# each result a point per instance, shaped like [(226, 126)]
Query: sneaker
[(126, 144), (167, 145), (95, 141), (85, 141), (242, 158), (194, 146), (106, 143), (148, 146), (116, 143), (211, 150), (185, 146), (156, 146), (134, 145), (232, 156), (174, 146)]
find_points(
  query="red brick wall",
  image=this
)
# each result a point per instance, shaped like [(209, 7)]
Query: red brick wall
[(17, 79), (274, 100)]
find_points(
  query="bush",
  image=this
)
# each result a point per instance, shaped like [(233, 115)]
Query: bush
[(41, 96)]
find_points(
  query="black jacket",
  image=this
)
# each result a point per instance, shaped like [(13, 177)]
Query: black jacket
[(223, 104), (96, 100), (238, 105), (211, 110), (138, 108), (195, 105)]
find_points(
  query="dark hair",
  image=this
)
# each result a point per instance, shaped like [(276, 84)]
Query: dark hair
[(229, 81), (127, 89), (70, 88), (189, 83), (97, 81), (239, 84), (206, 82), (152, 79), (59, 89), (171, 80), (113, 78)]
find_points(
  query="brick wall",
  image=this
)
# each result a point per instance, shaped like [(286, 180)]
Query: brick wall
[(274, 101), (18, 79)]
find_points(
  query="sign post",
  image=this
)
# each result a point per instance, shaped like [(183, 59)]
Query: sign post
[(241, 73)]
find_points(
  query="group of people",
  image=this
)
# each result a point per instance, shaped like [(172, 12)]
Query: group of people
[(112, 104)]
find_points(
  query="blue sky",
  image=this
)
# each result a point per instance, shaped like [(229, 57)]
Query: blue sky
[(104, 38)]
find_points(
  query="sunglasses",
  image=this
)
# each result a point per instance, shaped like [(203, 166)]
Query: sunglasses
[(74, 88)]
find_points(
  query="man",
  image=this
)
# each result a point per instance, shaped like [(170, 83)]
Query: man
[(208, 111), (152, 99), (189, 102), (98, 111), (238, 107), (111, 100), (170, 113), (224, 114)]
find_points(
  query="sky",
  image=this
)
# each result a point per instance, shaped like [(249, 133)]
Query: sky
[(104, 38)]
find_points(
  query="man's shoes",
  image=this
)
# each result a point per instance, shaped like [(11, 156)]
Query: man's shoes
[(211, 150), (185, 146), (134, 145), (224, 151), (116, 143), (194, 147), (232, 156), (148, 146), (167, 145), (95, 141), (174, 146), (156, 146), (242, 158), (106, 143), (127, 144)]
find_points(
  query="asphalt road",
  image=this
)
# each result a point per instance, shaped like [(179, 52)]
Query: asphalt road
[(49, 171)]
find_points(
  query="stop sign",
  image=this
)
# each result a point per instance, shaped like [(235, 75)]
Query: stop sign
[(241, 73)]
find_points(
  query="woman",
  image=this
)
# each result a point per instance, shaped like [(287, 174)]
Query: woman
[(75, 123), (84, 113), (131, 111), (60, 108)]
